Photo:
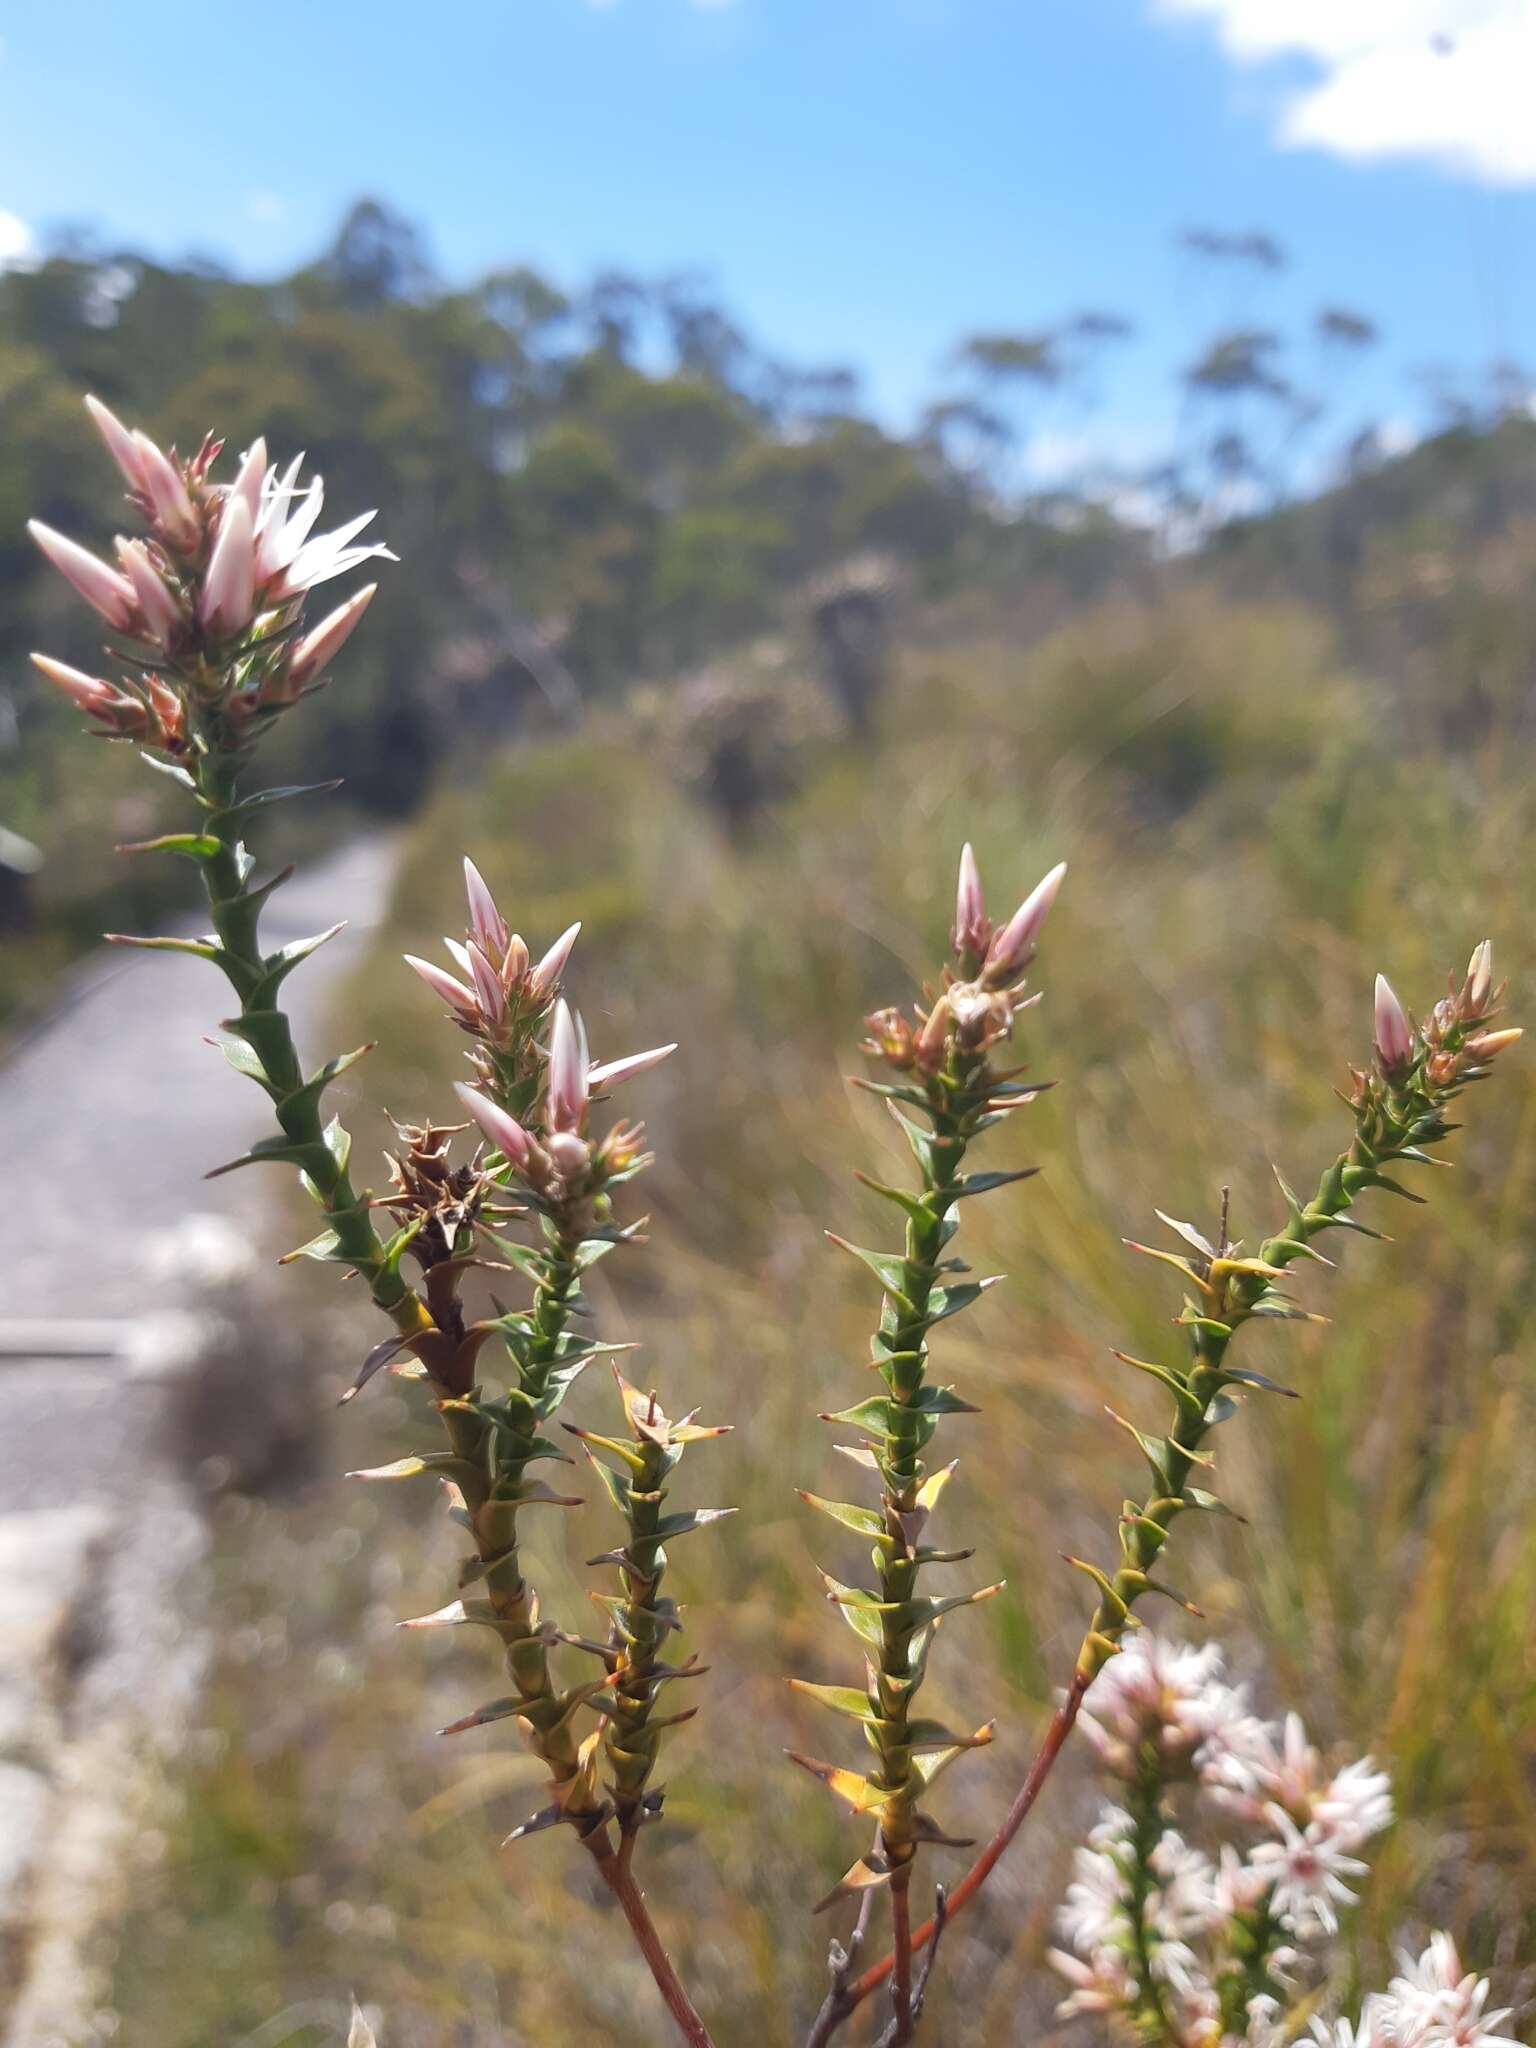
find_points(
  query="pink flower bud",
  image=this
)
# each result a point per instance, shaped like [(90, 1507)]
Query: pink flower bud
[(485, 920), (170, 507), (102, 588), (514, 962), (545, 978), (121, 445), (492, 996), (503, 1130), (89, 692), (568, 1063), (1394, 1034), (571, 1154), (614, 1071), (229, 588), (1012, 946), (442, 983), (972, 929), (1479, 985), (317, 649), (1488, 1044), (248, 477), (159, 614)]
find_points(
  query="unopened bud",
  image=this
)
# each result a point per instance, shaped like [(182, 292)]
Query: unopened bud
[(229, 588), (486, 923), (972, 926), (102, 588), (159, 613), (170, 507), (568, 1064), (1394, 1033), (89, 692), (121, 445), (1012, 946), (503, 1129), (928, 1047), (1487, 1044), (319, 648), (890, 1038), (613, 1071), (442, 983), (545, 978), (572, 1155), (492, 996), (1479, 982)]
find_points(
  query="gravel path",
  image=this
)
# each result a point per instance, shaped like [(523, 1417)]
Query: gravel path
[(112, 1110)]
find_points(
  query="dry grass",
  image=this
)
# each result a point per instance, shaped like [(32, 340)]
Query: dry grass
[(1248, 843)]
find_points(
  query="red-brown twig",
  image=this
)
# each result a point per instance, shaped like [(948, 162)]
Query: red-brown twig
[(834, 2014), (620, 1881), (901, 1953)]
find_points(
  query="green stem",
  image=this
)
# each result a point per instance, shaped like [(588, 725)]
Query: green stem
[(1154, 2021), (263, 1025), (952, 1110)]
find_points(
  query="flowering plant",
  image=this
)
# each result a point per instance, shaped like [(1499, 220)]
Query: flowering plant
[(1176, 1945), (211, 646)]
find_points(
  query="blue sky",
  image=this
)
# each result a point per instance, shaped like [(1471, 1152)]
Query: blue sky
[(864, 179)]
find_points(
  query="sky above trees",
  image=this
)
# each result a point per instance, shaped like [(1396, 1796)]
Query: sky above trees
[(863, 181)]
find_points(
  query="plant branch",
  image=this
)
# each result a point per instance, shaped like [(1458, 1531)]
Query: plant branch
[(619, 1878), (853, 1995)]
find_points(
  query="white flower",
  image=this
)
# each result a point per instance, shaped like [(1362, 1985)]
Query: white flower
[(1355, 1804), (1092, 1915), (1374, 2030), (1153, 1691), (1306, 1869), (1435, 2004), (1184, 1902), (1103, 1983), (288, 561)]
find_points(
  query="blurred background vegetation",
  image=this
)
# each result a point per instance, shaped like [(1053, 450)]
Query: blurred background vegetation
[(683, 645)]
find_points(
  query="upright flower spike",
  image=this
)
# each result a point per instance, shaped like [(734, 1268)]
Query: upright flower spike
[(1399, 1113), (634, 1473), (952, 1084)]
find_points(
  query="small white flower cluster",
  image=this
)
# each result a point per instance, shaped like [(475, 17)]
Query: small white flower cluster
[(1198, 1947), (1434, 2003)]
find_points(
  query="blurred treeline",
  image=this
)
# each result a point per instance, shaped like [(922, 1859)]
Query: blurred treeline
[(599, 486)]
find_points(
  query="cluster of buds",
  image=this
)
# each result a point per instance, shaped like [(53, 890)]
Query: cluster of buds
[(976, 1006), (499, 996), (1455, 1044), (553, 1156), (209, 606)]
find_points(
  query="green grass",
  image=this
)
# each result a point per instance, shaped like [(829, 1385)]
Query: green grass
[(1249, 839)]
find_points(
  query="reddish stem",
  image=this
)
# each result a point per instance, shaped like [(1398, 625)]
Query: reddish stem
[(854, 1995), (901, 1952), (620, 1881)]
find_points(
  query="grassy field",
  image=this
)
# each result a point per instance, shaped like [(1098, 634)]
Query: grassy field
[(1250, 838)]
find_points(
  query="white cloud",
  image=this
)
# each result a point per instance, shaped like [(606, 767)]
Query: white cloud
[(1448, 80), (265, 208), (15, 241)]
